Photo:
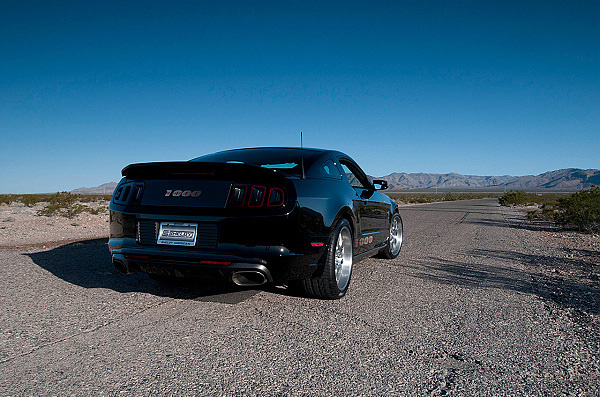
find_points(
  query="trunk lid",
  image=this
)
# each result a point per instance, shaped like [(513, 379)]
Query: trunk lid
[(191, 184)]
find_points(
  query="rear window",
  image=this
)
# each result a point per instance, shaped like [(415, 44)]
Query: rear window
[(282, 159)]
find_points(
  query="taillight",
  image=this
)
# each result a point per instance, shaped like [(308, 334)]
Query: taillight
[(255, 196), (126, 193), (135, 256), (136, 196), (129, 193), (222, 263), (238, 195), (275, 197)]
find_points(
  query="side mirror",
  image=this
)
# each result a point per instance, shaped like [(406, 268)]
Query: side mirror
[(380, 184)]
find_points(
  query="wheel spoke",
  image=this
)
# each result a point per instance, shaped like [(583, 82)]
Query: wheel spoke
[(343, 258), (395, 236)]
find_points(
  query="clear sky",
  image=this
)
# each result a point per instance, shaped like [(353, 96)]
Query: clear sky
[(474, 87)]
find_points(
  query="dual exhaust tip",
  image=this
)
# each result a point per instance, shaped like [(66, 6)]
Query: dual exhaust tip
[(248, 278), (122, 267)]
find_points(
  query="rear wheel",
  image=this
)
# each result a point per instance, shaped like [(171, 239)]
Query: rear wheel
[(394, 244), (333, 280)]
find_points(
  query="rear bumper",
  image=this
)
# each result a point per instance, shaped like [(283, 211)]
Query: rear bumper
[(276, 263), (278, 246)]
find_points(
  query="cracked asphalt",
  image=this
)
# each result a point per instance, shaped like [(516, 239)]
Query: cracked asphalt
[(461, 311)]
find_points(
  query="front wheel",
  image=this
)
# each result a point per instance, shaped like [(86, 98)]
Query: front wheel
[(334, 279), (392, 249)]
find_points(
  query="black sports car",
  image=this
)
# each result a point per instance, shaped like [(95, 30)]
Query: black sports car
[(300, 217)]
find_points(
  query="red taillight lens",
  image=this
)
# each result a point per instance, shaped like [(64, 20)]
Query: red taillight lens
[(238, 194), (126, 193), (275, 197), (192, 173), (136, 196), (255, 196), (129, 193), (135, 256), (221, 263)]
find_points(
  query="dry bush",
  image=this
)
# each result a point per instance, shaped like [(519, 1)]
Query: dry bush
[(418, 198), (580, 210), (69, 205)]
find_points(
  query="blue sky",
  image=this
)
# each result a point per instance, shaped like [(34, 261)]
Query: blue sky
[(474, 87)]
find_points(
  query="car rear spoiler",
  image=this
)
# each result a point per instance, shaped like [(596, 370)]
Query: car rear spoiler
[(199, 170)]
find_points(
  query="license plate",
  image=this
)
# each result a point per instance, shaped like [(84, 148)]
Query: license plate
[(176, 233)]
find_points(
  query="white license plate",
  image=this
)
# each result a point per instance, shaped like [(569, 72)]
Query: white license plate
[(176, 233)]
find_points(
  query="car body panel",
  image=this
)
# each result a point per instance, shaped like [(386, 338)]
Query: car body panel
[(286, 241)]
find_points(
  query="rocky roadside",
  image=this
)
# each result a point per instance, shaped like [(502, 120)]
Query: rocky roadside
[(21, 227), (577, 254), (568, 273)]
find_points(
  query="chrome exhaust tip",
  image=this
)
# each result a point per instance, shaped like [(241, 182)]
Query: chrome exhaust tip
[(120, 266), (248, 278)]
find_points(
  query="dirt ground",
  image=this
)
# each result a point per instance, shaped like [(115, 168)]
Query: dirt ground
[(575, 246), (571, 275), (480, 302), (21, 227)]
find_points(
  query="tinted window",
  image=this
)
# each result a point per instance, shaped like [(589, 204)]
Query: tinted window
[(329, 170), (352, 178), (286, 160)]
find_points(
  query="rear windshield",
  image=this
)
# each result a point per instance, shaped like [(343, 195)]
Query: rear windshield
[(280, 159)]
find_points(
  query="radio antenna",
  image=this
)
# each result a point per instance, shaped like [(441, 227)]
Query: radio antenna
[(302, 155)]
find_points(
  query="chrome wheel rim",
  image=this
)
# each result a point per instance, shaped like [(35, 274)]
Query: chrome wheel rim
[(395, 235), (343, 258)]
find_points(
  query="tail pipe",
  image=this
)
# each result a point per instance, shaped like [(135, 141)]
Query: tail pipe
[(125, 267), (248, 278)]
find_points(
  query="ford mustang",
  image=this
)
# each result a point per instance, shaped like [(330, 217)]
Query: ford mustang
[(294, 216)]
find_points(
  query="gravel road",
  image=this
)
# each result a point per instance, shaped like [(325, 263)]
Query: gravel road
[(469, 307)]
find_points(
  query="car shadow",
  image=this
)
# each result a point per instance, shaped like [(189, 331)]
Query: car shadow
[(542, 279), (88, 265), (533, 225)]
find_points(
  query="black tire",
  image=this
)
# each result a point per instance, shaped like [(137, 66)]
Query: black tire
[(394, 244), (329, 283)]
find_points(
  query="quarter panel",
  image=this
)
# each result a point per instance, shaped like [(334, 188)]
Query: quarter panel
[(322, 201)]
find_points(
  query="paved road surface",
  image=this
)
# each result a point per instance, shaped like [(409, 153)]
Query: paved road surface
[(460, 311)]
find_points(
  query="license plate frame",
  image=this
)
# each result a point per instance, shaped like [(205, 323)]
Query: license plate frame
[(177, 233)]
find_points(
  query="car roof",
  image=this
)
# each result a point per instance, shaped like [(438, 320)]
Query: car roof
[(309, 151), (317, 150)]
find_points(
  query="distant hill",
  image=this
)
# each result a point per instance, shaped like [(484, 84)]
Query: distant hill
[(399, 181), (565, 179), (570, 179), (106, 188)]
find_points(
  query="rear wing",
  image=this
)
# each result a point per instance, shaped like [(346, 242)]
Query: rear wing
[(200, 170)]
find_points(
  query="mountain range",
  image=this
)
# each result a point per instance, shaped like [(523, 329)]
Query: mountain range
[(569, 179), (105, 188)]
